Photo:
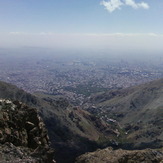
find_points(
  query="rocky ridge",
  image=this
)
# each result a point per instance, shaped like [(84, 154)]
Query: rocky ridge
[(23, 136), (109, 155)]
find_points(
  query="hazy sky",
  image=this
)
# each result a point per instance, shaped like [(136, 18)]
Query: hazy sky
[(111, 24)]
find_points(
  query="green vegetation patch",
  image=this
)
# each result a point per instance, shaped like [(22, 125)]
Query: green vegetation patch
[(86, 90)]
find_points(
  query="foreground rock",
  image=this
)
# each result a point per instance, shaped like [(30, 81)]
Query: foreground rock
[(23, 136), (109, 155)]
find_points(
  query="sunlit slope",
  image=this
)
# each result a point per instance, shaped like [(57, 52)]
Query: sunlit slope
[(139, 111)]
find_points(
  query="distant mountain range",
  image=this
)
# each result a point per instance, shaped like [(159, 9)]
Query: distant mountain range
[(126, 118)]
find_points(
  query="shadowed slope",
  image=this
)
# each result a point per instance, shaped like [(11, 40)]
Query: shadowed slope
[(72, 131)]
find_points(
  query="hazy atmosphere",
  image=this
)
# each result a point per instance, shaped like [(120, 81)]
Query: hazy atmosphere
[(111, 26)]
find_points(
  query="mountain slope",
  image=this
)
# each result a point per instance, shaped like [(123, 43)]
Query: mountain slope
[(9, 91), (72, 131), (133, 119), (138, 110)]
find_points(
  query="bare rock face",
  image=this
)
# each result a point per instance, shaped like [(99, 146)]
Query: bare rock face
[(23, 136), (109, 155)]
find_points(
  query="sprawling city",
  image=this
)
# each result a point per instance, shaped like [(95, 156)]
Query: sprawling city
[(76, 77)]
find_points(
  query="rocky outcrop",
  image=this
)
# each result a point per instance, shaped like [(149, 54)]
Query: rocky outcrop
[(109, 155), (23, 136)]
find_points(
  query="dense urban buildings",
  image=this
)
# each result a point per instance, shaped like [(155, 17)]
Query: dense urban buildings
[(75, 78)]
